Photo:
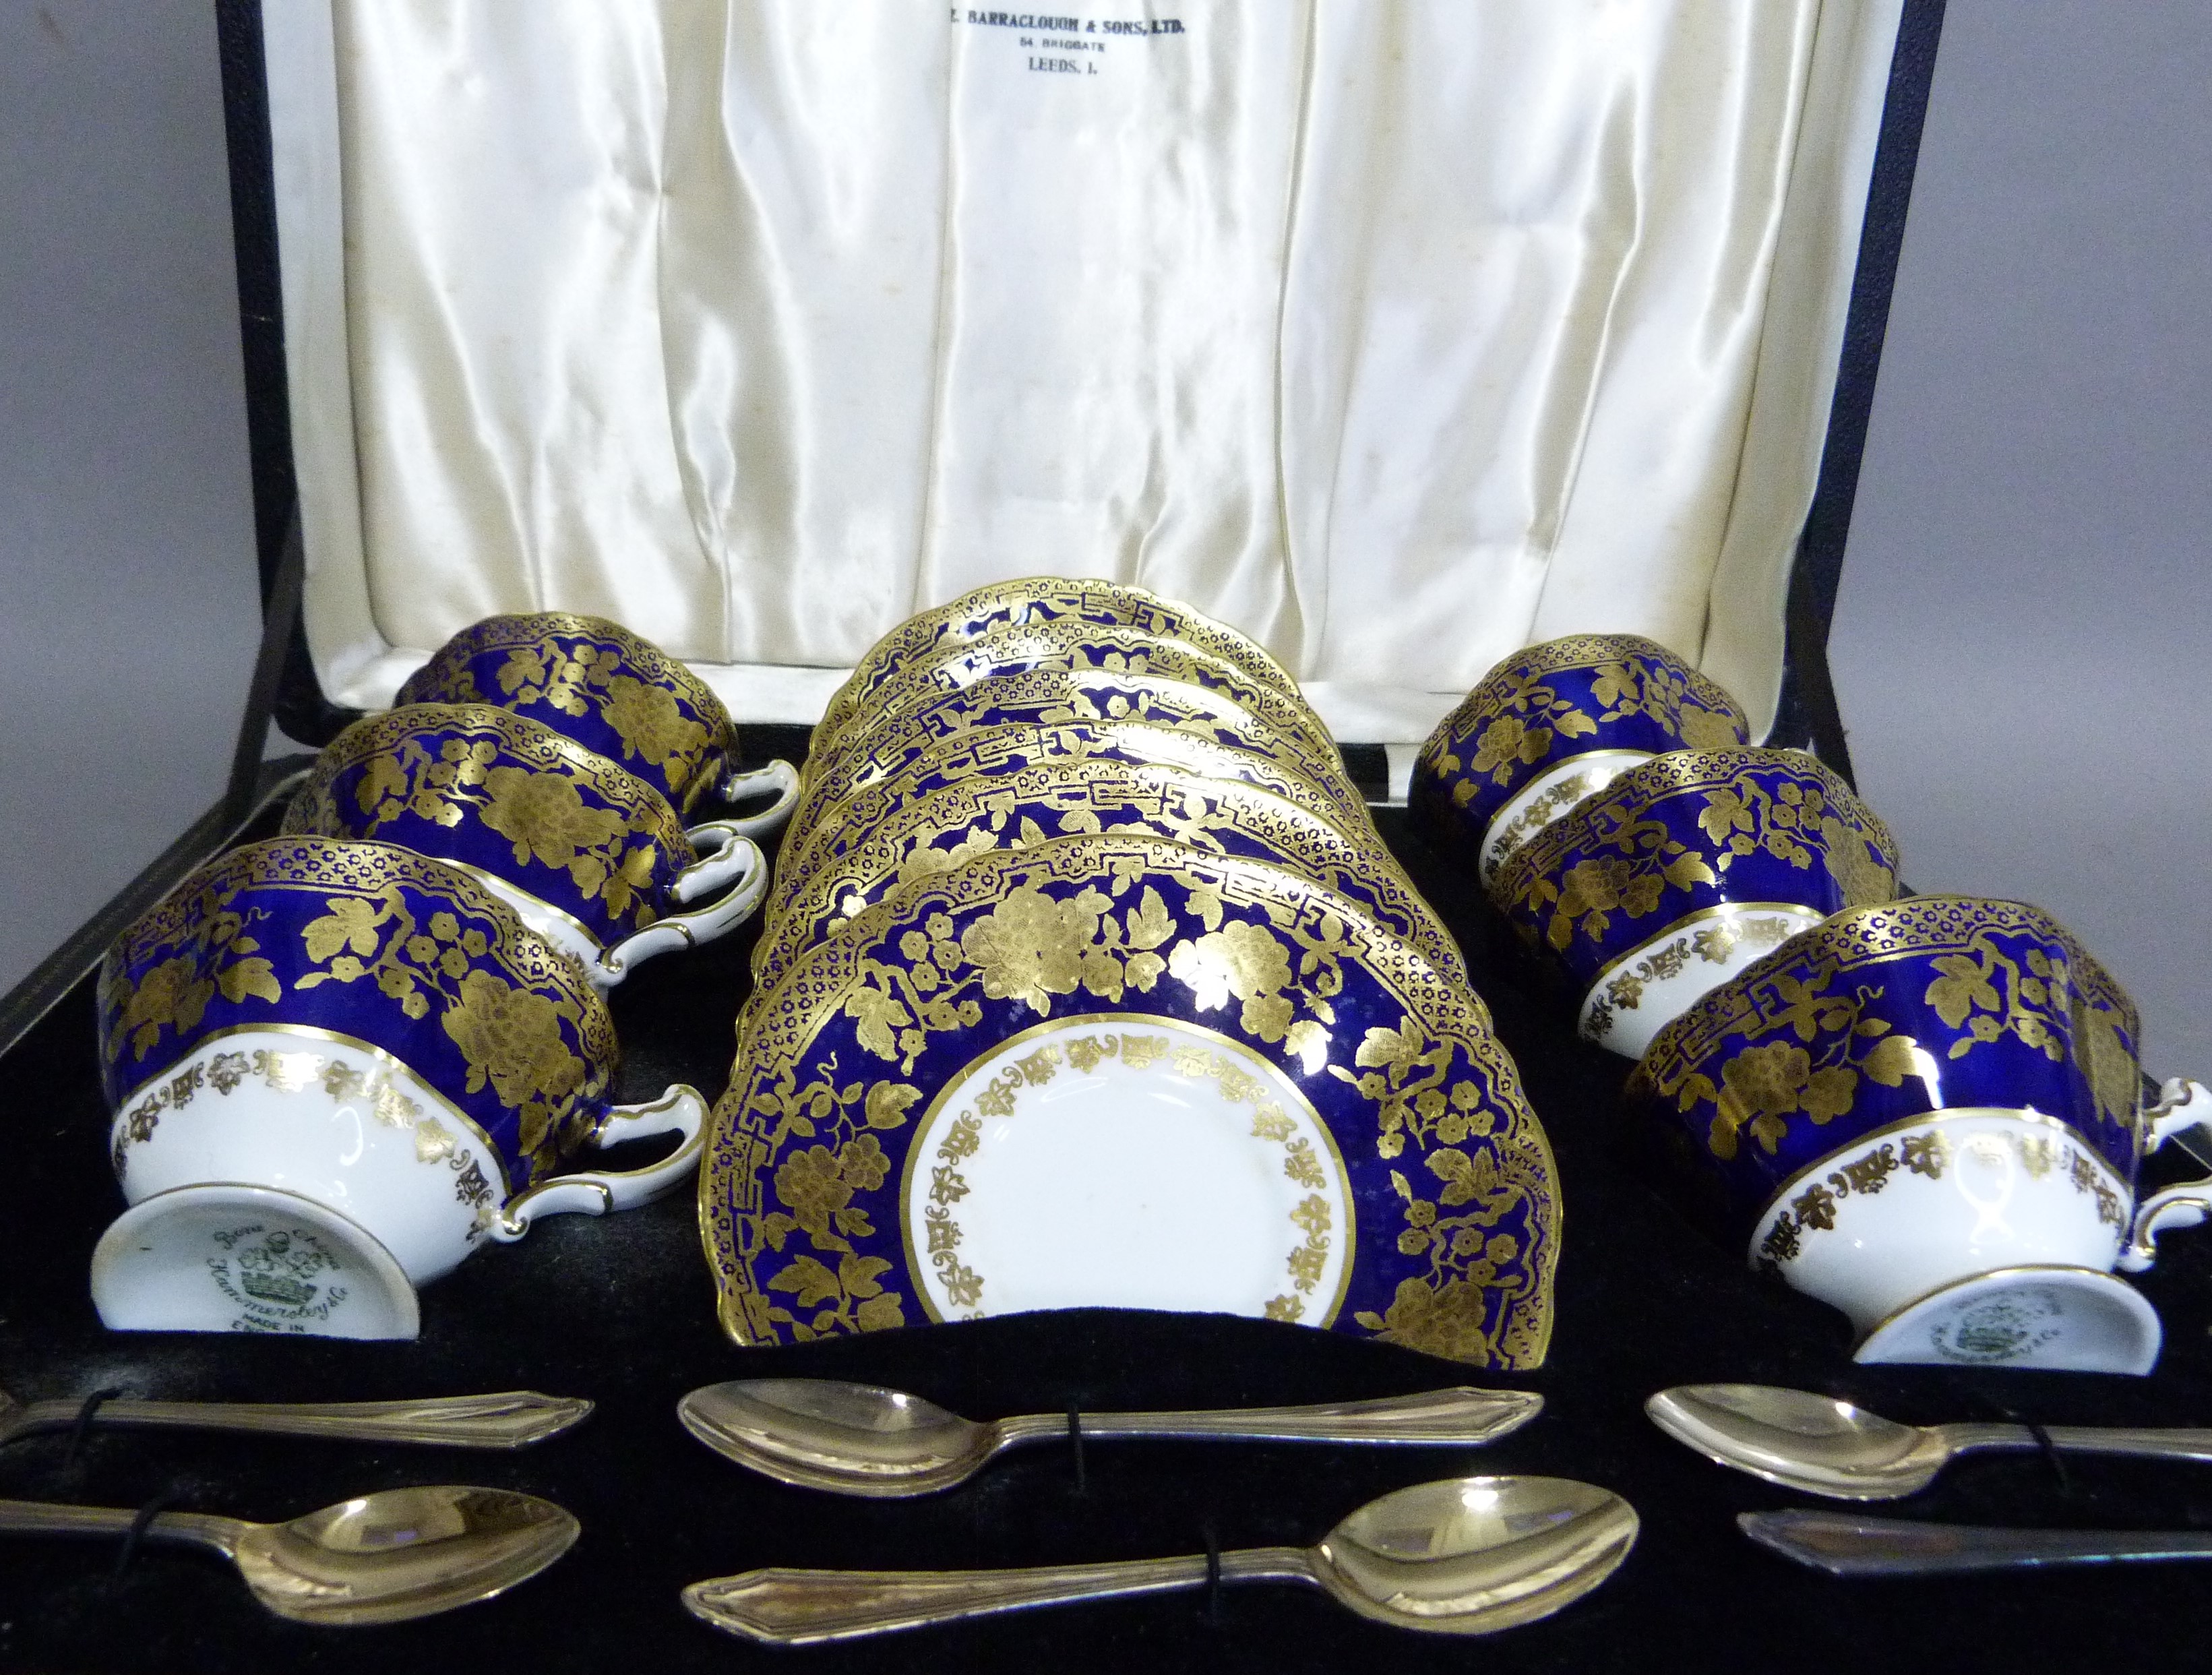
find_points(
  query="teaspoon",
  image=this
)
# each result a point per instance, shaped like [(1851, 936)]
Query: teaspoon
[(509, 1419), (385, 1557), (859, 1439), (1824, 1446), (1468, 1556)]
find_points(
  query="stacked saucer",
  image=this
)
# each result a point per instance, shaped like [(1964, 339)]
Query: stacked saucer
[(1085, 979)]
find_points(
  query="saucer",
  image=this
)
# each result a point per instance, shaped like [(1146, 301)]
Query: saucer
[(889, 1079), (1071, 643), (1044, 599), (987, 752), (864, 863), (1053, 697)]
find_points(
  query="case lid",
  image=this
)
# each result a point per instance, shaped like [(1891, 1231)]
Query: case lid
[(1398, 335)]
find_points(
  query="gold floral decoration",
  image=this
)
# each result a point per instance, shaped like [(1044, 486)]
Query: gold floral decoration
[(1797, 814), (659, 711), (817, 1184), (538, 804), (1106, 914), (1798, 1039), (222, 958), (1513, 720), (510, 1036), (1763, 1086)]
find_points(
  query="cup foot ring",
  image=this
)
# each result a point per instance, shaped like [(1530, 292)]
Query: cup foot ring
[(2048, 1318), (228, 1257)]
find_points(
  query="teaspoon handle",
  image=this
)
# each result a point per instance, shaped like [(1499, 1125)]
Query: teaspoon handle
[(808, 1607), (1846, 1545), (51, 1518), (2145, 1442), (1459, 1415), (507, 1419)]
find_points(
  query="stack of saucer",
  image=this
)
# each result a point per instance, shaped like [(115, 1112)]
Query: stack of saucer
[(1086, 980), (340, 1059)]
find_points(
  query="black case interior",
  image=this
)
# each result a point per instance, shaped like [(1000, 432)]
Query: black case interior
[(621, 1311)]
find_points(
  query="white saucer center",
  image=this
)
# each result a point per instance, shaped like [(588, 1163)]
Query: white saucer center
[(1127, 1162)]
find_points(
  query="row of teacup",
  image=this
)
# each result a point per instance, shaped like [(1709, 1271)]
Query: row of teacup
[(341, 1058), (1927, 1111), (1634, 839)]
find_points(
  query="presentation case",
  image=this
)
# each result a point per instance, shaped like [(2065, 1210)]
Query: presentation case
[(1396, 335)]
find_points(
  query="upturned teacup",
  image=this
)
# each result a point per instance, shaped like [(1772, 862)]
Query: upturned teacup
[(1929, 1114), (1556, 723), (1681, 873), (590, 856), (336, 1068), (594, 681)]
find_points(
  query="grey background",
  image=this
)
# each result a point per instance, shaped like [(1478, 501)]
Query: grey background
[(2022, 615)]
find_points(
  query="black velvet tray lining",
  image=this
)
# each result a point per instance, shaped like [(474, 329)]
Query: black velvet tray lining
[(621, 1311)]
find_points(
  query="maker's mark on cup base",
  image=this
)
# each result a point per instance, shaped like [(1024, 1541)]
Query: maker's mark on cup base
[(2051, 1319), (235, 1258)]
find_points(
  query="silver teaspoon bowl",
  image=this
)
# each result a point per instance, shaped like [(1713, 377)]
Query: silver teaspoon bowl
[(1824, 1445), (385, 1557), (1467, 1555), (857, 1439)]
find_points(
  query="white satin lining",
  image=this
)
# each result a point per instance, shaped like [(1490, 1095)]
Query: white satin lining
[(1397, 334)]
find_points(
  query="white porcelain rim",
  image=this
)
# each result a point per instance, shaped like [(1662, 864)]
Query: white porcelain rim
[(1663, 992), (389, 1061), (1499, 834), (1777, 1199)]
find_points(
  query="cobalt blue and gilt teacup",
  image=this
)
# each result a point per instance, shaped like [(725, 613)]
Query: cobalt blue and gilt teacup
[(336, 1068), (1682, 871), (590, 856), (1929, 1114), (1556, 723), (594, 681)]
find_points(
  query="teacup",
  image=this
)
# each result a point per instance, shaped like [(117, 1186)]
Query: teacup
[(588, 854), (336, 1068), (1684, 871), (1556, 723), (1928, 1114), (594, 681)]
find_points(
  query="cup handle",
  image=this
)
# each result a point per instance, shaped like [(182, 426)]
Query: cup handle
[(685, 930), (778, 777), (679, 1111), (724, 858), (2182, 1104)]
